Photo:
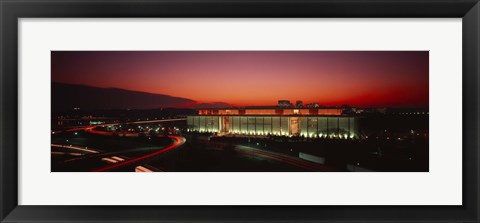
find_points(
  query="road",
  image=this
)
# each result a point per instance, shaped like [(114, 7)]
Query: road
[(109, 156), (90, 153), (282, 158), (177, 142), (272, 156)]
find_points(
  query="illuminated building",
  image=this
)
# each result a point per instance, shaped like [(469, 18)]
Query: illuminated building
[(307, 122)]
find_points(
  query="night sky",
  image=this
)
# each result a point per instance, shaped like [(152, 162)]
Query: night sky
[(245, 78)]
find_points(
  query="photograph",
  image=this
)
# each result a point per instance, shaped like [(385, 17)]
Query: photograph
[(239, 111)]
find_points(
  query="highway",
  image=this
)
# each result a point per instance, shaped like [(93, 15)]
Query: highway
[(272, 156), (282, 158), (177, 142), (111, 157), (107, 156), (116, 162)]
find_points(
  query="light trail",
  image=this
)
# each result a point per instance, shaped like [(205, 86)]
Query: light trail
[(109, 160), (74, 148), (119, 161), (113, 159), (63, 153), (104, 154), (178, 141), (142, 169)]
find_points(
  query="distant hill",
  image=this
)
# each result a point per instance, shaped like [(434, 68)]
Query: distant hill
[(69, 96)]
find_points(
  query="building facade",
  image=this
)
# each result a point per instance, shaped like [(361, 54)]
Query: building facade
[(313, 123)]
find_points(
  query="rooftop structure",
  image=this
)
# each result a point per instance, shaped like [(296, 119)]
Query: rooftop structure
[(284, 104), (313, 105), (274, 111), (299, 104)]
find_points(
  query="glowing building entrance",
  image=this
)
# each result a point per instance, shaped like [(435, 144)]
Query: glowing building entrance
[(294, 127), (225, 124)]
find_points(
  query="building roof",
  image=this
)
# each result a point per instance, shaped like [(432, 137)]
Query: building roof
[(272, 111)]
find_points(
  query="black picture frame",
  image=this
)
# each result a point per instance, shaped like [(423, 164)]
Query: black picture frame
[(12, 10)]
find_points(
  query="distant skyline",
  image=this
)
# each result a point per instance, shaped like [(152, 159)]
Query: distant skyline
[(255, 78)]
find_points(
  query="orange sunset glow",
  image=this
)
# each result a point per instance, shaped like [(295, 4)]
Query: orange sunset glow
[(251, 78)]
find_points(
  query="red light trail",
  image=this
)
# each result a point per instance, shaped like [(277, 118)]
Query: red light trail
[(178, 141)]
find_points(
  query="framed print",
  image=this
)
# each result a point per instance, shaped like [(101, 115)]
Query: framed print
[(239, 111)]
